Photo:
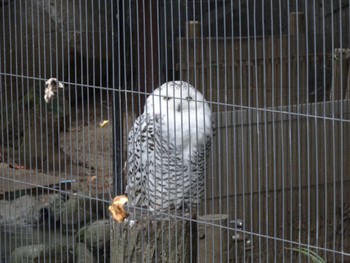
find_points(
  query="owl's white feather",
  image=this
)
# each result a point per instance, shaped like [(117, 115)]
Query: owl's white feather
[(168, 147)]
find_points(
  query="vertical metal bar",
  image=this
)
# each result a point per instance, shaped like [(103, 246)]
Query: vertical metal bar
[(69, 88), (273, 133), (210, 99), (11, 117), (317, 223), (242, 119), (266, 142), (299, 172), (94, 103), (184, 20), (204, 91), (153, 70), (333, 156), (218, 123), (20, 78), (282, 129), (56, 141), (249, 144), (3, 239), (307, 126), (341, 134), (85, 44), (4, 117), (324, 124), (104, 104), (117, 109), (257, 85), (7, 244), (234, 131), (74, 137), (226, 239), (290, 130), (81, 87), (164, 30)]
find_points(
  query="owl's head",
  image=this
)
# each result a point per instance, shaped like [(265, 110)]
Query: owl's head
[(183, 114), (177, 97)]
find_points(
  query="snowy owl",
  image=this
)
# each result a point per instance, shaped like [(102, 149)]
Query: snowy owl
[(168, 148)]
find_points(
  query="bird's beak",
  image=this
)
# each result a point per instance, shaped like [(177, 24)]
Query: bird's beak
[(179, 108), (157, 117)]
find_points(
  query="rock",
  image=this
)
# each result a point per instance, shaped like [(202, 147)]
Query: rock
[(42, 252), (30, 253), (78, 210), (97, 238), (4, 166), (19, 211), (73, 211), (28, 210), (83, 254), (55, 203), (44, 207), (96, 235)]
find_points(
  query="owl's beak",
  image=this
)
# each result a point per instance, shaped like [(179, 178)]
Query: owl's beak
[(157, 117), (179, 108)]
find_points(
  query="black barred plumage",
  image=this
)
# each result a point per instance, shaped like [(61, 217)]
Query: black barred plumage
[(168, 148)]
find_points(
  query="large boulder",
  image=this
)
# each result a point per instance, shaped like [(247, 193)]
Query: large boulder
[(96, 237), (28, 210), (50, 252), (83, 254), (79, 210)]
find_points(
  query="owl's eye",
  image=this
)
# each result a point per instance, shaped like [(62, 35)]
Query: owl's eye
[(166, 98), (189, 98)]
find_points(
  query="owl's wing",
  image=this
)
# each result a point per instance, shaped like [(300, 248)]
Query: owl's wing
[(140, 158), (199, 166)]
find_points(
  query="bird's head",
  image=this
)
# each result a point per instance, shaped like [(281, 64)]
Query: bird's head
[(175, 98), (182, 112)]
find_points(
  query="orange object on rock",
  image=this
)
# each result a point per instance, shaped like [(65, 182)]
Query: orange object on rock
[(117, 209)]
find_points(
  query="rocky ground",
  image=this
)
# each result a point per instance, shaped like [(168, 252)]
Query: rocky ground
[(67, 223)]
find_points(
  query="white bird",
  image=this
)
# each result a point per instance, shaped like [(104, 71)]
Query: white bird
[(168, 148), (52, 86)]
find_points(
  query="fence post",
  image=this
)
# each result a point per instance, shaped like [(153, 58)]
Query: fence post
[(212, 232)]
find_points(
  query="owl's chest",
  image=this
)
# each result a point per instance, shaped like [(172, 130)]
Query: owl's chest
[(175, 145)]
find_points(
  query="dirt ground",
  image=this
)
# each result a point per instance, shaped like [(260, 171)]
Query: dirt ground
[(88, 148)]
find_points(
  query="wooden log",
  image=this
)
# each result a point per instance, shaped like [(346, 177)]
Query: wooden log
[(154, 238), (213, 233)]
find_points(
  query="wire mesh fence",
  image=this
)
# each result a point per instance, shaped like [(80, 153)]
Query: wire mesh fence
[(174, 131)]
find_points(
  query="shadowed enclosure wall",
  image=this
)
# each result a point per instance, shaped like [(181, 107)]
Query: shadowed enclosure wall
[(285, 173), (252, 72)]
